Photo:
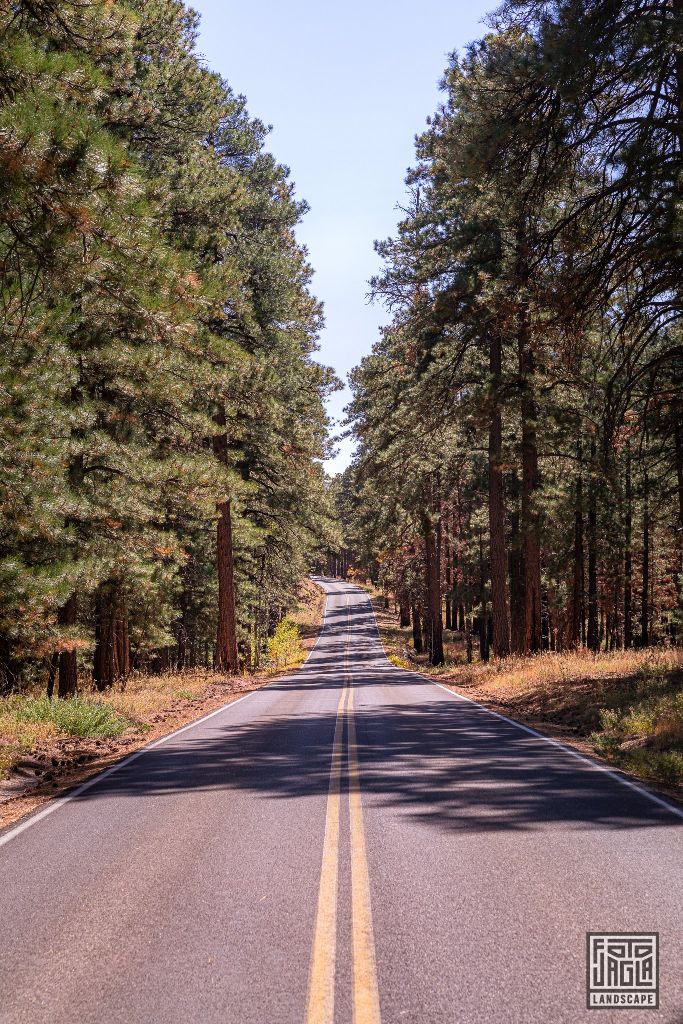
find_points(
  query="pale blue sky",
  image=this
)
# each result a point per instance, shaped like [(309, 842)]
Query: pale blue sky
[(346, 87)]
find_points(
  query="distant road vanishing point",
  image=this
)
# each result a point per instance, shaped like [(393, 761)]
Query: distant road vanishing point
[(349, 843)]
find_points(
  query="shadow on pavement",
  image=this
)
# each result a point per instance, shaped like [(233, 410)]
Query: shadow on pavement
[(446, 762)]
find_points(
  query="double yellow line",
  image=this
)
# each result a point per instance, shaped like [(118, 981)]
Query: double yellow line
[(320, 1006)]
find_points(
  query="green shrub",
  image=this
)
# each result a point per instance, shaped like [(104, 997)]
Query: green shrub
[(73, 716), (605, 744), (610, 719), (182, 694), (667, 767)]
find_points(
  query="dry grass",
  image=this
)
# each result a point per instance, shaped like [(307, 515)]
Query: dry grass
[(146, 696), (18, 739), (309, 613), (549, 670)]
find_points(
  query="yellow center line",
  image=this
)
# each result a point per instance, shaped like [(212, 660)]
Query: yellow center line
[(320, 1005), (365, 990)]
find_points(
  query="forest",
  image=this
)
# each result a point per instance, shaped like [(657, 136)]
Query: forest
[(162, 420), (518, 478), (400, 743), (519, 475)]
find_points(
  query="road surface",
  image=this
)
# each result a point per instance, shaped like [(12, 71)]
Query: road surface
[(351, 842)]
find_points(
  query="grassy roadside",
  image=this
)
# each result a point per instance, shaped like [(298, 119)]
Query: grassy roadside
[(626, 707), (48, 746)]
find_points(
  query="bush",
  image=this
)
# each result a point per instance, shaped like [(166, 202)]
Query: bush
[(284, 647), (665, 767), (73, 716)]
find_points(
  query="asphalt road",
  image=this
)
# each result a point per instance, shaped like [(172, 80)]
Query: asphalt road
[(349, 843)]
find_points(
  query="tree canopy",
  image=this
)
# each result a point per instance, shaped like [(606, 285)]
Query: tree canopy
[(162, 424), (519, 420)]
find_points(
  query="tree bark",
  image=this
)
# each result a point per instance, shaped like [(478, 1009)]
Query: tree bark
[(226, 637), (530, 520), (578, 603), (226, 659), (111, 661), (448, 557), (678, 441), (8, 668), (468, 638), (433, 586), (593, 637), (68, 667), (404, 610), (645, 591), (628, 556), (484, 617), (530, 517), (516, 563), (498, 555)]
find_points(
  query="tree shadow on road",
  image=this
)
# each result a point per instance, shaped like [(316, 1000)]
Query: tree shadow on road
[(447, 763)]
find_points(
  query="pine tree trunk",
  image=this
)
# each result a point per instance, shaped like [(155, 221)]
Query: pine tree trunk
[(226, 658), (678, 409), (530, 518), (448, 557), (484, 617), (449, 610), (111, 661), (404, 610), (578, 605), (103, 658), (628, 557), (531, 545), (593, 630), (484, 633), (226, 636), (433, 584), (68, 666), (427, 628), (516, 564), (498, 555), (678, 440), (66, 616), (645, 591), (122, 645), (8, 667)]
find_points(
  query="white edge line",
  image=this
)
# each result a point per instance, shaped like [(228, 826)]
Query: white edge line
[(54, 805), (583, 758), (588, 761)]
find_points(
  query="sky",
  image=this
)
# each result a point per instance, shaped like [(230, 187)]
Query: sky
[(346, 86)]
